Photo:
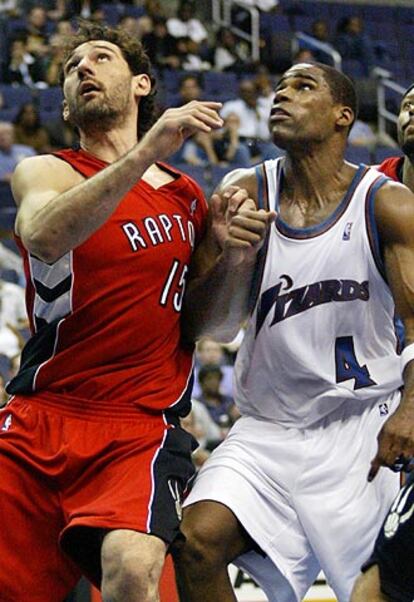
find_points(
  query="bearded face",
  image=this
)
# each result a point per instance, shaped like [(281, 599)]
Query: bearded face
[(97, 87), (98, 107)]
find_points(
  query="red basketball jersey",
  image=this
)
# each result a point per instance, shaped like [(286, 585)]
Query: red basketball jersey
[(105, 317), (392, 167)]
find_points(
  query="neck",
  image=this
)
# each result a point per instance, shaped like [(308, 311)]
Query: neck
[(408, 172), (316, 177), (112, 144)]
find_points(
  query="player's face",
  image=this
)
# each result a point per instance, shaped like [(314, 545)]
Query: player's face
[(97, 86), (406, 124), (302, 110)]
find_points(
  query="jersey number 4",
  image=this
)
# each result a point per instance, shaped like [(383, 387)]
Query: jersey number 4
[(347, 366)]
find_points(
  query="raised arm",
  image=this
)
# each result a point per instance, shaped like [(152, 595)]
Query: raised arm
[(394, 213), (58, 209), (216, 301)]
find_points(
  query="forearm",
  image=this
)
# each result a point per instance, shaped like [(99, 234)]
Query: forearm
[(216, 304), (69, 219), (406, 405)]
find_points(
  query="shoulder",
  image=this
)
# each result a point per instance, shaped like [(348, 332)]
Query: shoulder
[(244, 178), (394, 210), (43, 171)]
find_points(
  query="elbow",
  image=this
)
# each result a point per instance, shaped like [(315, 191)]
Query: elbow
[(42, 247)]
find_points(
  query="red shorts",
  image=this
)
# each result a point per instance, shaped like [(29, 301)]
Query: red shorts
[(70, 472)]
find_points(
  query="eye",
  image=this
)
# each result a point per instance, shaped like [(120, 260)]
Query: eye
[(102, 56), (305, 86), (71, 65)]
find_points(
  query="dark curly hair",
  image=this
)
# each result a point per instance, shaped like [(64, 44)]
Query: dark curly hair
[(134, 54)]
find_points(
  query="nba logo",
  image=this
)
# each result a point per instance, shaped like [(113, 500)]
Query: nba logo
[(7, 423), (383, 409), (193, 207), (347, 231)]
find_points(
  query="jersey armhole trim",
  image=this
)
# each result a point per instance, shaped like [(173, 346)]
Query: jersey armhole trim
[(371, 225), (262, 203)]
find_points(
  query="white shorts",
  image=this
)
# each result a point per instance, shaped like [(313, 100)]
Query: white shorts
[(303, 496)]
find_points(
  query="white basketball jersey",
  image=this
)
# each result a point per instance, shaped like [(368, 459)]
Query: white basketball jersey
[(322, 330)]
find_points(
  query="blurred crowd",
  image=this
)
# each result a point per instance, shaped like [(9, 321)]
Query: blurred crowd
[(192, 60)]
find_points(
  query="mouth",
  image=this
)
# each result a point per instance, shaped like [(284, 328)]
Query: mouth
[(87, 88), (277, 114)]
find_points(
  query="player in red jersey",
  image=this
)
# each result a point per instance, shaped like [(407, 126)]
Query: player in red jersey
[(401, 169), (93, 459), (388, 574)]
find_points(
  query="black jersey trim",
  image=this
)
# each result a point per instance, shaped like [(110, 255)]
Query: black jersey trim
[(48, 294)]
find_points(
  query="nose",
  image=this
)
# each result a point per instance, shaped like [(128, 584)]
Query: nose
[(281, 94), (85, 67)]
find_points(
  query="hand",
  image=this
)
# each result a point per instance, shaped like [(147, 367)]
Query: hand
[(175, 125), (239, 227), (395, 439)]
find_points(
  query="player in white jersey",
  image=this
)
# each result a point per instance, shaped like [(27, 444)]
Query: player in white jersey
[(292, 488)]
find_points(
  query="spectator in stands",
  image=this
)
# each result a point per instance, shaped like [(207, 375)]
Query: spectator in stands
[(10, 260), (229, 53), (303, 55), (228, 148), (190, 89), (54, 60), (130, 25), (9, 8), (154, 9), (23, 67), (221, 408), (86, 9), (253, 117), (161, 46), (36, 32), (3, 395), (186, 25), (222, 147), (211, 352), (13, 318), (265, 88), (64, 27), (29, 130), (61, 133), (55, 9), (190, 55), (320, 31), (145, 25), (353, 44), (200, 424), (362, 134), (10, 153)]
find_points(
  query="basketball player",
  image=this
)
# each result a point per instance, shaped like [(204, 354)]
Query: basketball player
[(93, 461), (389, 574), (318, 374), (401, 169)]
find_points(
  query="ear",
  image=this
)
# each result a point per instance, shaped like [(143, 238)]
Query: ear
[(345, 116), (65, 111), (141, 84)]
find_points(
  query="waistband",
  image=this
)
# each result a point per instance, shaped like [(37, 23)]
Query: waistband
[(93, 408)]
